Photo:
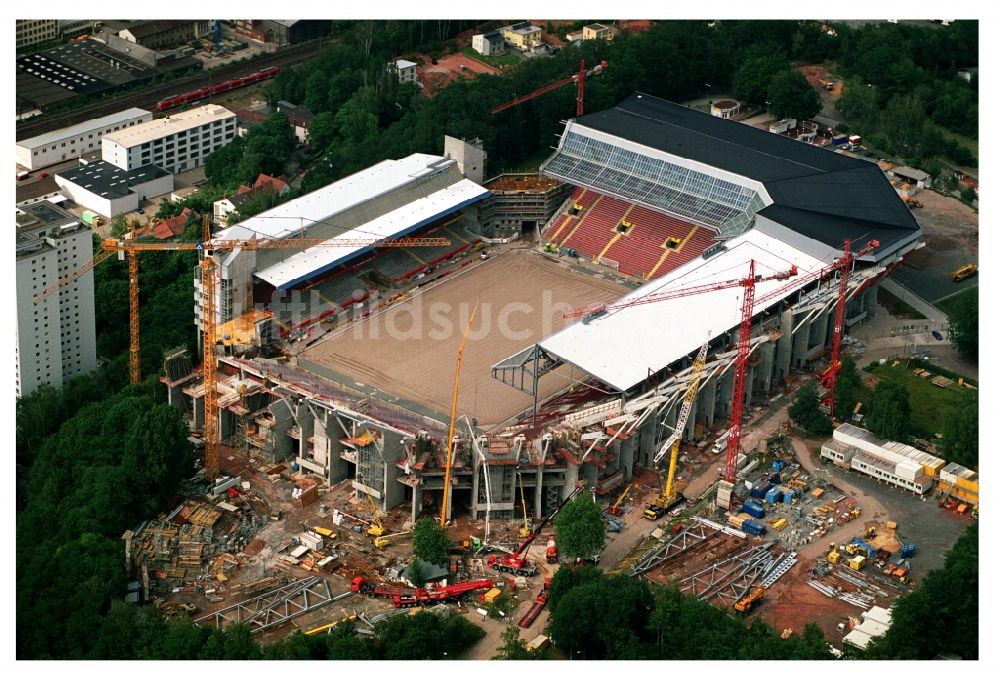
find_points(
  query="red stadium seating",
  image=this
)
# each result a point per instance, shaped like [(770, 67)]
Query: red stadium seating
[(639, 252)]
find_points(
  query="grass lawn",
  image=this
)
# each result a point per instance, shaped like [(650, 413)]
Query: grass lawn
[(928, 402), (949, 305), (497, 60)]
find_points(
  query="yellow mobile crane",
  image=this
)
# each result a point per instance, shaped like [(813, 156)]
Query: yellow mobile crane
[(615, 510), (525, 530), (377, 528), (669, 498)]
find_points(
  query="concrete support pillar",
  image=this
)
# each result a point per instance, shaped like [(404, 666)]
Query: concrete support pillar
[(783, 351), (800, 342), (766, 366), (572, 477), (538, 492), (626, 455), (692, 418), (647, 441), (725, 394), (709, 393), (417, 505), (870, 298), (327, 429), (198, 406)]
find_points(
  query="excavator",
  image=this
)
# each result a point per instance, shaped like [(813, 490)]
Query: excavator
[(383, 541), (518, 562), (669, 498)]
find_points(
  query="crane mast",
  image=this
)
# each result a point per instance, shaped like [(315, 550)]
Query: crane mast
[(689, 399)]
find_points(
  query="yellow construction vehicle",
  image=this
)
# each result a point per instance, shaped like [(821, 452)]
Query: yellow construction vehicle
[(615, 510), (385, 540), (746, 603), (963, 272), (377, 529), (525, 530), (669, 498)]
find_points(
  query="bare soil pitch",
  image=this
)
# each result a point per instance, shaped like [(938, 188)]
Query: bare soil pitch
[(410, 350)]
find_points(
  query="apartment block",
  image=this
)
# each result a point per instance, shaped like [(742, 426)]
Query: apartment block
[(33, 31), (55, 338), (179, 142)]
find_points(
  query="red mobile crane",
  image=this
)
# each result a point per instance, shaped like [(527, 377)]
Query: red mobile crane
[(578, 78), (518, 562), (748, 284), (432, 595)]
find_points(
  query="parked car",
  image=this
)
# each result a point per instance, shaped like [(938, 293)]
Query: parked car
[(936, 335), (43, 175)]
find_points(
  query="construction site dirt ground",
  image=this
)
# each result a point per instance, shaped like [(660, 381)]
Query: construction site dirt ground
[(409, 350), (951, 234)]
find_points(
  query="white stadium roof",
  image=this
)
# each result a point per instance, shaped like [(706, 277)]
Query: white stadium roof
[(621, 347), (295, 216), (313, 261)]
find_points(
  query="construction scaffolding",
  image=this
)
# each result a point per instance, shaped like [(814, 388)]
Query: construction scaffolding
[(274, 608)]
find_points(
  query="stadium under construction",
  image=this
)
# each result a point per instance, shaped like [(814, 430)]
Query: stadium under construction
[(639, 199)]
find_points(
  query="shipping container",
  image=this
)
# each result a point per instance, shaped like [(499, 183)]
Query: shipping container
[(838, 139), (777, 465), (754, 527), (754, 510), (88, 217), (774, 495)]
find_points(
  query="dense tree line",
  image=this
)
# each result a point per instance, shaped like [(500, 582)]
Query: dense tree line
[(963, 325), (941, 616), (113, 462), (599, 617), (132, 633), (904, 60)]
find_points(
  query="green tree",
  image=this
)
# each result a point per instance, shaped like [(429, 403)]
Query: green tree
[(889, 412), (512, 647), (235, 642), (846, 392), (791, 96), (859, 102), (941, 615), (968, 194), (580, 528), (425, 636), (322, 130), (430, 541), (805, 412), (903, 122), (960, 435), (751, 82)]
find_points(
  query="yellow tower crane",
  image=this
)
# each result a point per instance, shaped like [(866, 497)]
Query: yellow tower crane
[(669, 497)]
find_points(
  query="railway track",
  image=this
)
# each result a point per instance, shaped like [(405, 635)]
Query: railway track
[(148, 97)]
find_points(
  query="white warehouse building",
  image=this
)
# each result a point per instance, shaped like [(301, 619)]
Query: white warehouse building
[(109, 190), (75, 140), (176, 143), (55, 339)]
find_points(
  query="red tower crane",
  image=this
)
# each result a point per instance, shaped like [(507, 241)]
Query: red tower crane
[(579, 78), (748, 283)]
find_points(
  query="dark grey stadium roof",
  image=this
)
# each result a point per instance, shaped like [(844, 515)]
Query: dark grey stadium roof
[(816, 192)]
